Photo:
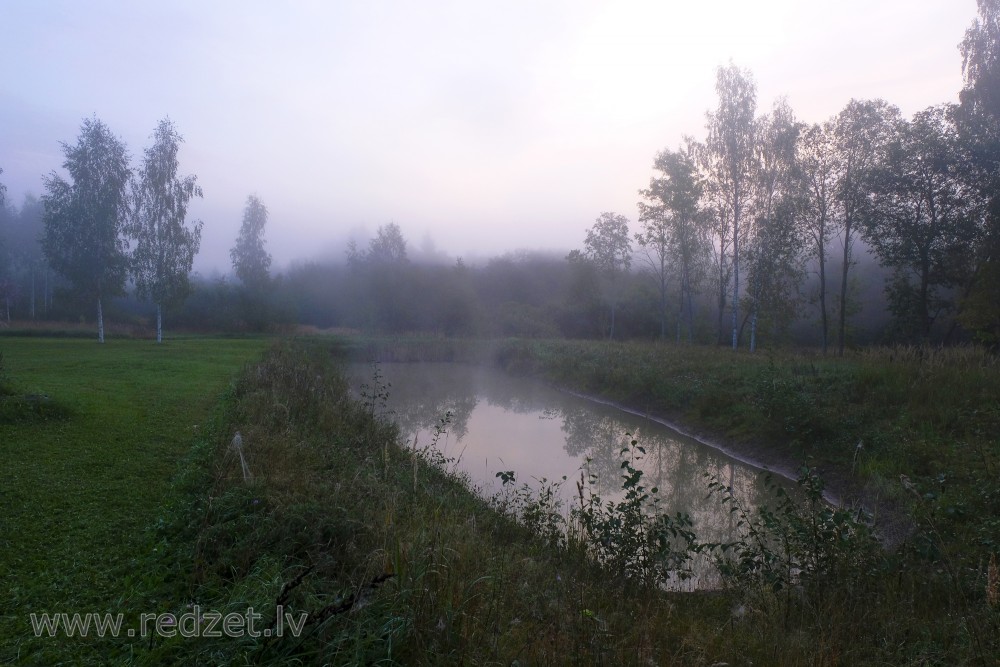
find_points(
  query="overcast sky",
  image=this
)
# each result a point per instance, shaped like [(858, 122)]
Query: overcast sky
[(483, 126)]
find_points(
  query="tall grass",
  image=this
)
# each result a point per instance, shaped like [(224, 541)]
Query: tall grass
[(396, 561)]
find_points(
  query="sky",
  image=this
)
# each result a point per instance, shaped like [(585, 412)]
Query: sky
[(479, 127)]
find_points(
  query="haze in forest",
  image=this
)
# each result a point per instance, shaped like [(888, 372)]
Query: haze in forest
[(478, 128)]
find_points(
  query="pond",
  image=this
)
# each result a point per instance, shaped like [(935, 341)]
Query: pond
[(495, 422)]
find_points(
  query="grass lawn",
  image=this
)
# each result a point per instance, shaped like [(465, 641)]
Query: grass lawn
[(79, 490)]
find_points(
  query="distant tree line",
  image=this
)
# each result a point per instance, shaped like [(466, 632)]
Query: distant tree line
[(866, 227), (765, 199), (108, 226)]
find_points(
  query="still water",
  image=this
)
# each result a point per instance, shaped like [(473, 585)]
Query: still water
[(500, 423)]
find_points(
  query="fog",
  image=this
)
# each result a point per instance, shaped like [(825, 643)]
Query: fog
[(478, 128)]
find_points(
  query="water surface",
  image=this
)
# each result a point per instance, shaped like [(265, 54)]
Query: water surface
[(496, 422)]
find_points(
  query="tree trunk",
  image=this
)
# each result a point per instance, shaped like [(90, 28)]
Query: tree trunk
[(842, 332), (32, 291), (736, 283), (159, 323), (722, 306), (822, 288), (612, 336), (755, 305), (100, 321), (690, 299), (663, 304), (680, 309), (925, 316)]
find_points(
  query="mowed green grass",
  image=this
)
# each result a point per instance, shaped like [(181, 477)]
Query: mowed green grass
[(78, 493)]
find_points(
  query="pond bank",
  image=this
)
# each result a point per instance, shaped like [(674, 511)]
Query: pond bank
[(863, 422), (401, 564)]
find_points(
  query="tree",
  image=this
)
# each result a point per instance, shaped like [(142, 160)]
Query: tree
[(388, 246), (608, 247), (860, 131), (84, 218), (251, 260), (773, 239), (674, 233), (923, 219), (26, 270), (165, 247), (981, 61), (979, 123), (816, 160), (728, 160), (3, 246)]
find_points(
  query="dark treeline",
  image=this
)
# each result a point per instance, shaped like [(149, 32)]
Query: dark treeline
[(866, 227)]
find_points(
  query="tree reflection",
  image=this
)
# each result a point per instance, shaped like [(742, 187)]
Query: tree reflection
[(593, 437), (418, 401)]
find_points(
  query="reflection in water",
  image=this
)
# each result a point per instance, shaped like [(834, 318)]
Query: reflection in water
[(502, 423)]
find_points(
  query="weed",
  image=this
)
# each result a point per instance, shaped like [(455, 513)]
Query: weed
[(635, 537)]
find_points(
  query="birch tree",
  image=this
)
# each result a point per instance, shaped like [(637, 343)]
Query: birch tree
[(165, 245), (980, 127), (718, 219), (815, 157), (728, 161), (85, 216), (860, 131), (609, 248), (674, 234), (773, 239), (252, 262)]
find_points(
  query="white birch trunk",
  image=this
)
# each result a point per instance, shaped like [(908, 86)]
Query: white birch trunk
[(736, 277), (159, 323), (100, 322)]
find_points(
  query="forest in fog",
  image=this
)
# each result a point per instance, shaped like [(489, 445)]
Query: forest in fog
[(867, 227)]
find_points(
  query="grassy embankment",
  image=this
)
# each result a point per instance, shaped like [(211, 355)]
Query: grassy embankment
[(932, 417), (91, 438), (396, 562)]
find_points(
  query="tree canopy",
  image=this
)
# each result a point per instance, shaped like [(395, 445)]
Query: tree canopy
[(165, 246), (251, 261), (85, 216)]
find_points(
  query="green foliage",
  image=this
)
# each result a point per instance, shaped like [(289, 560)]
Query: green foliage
[(924, 218), (388, 246), (252, 264), (539, 509), (675, 232), (797, 542), (165, 246), (608, 248), (250, 260), (634, 537), (85, 218)]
